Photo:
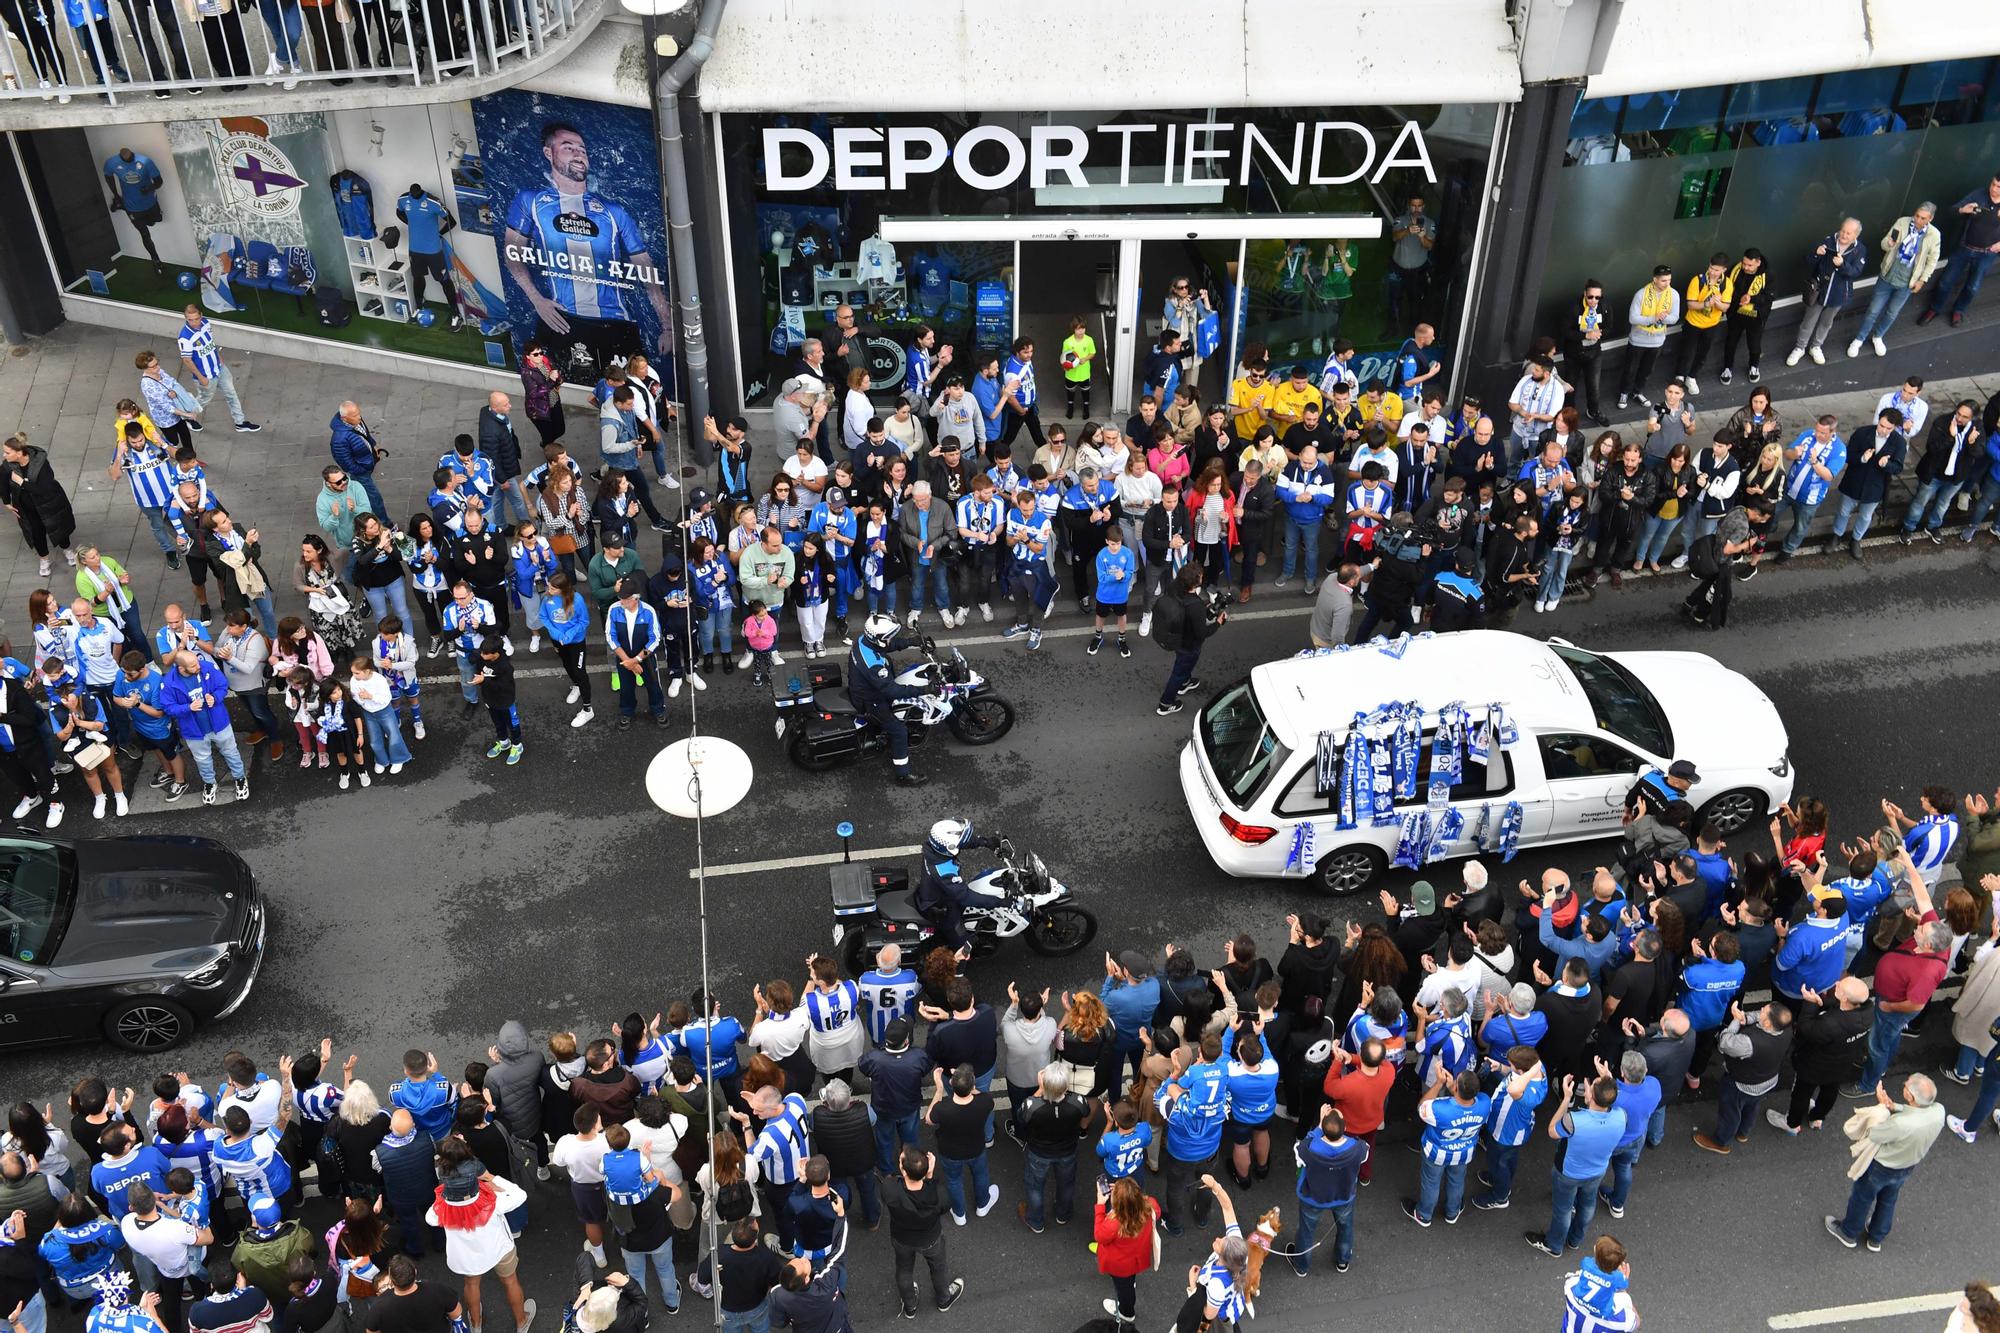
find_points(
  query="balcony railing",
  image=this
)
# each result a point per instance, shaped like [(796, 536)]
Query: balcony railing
[(132, 59)]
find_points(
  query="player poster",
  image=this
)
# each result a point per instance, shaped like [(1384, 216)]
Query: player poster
[(575, 190)]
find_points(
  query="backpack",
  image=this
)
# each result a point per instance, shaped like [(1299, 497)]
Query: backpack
[(1169, 622), (1705, 556), (733, 1201)]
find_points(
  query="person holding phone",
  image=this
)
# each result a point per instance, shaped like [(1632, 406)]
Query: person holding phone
[(1126, 1246)]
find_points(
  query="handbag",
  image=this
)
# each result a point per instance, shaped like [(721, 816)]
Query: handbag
[(329, 601), (91, 755), (183, 400), (562, 543)]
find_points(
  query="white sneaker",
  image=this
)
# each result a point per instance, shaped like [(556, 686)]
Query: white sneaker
[(1818, 357), (674, 688), (1693, 387), (1854, 348), (777, 658), (507, 646), (583, 718), (69, 556), (343, 779), (534, 643), (1796, 355), (697, 681), (55, 815), (1146, 625), (909, 623), (395, 769), (743, 662), (574, 691), (596, 1253), (379, 768), (1680, 561), (419, 732), (43, 569), (986, 611), (362, 773), (1881, 348), (671, 482), (98, 804), (27, 804)]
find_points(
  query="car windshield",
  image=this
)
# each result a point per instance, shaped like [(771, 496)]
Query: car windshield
[(36, 882), (1241, 749), (1618, 702)]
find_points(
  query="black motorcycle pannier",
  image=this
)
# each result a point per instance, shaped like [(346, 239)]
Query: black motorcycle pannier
[(832, 738)]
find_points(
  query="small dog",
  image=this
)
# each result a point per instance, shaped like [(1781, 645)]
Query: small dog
[(1260, 1242)]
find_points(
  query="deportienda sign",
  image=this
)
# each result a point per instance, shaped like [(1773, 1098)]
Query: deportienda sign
[(994, 157)]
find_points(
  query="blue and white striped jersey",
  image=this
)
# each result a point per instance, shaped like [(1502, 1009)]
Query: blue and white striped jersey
[(783, 1145), (1451, 1130), (887, 996), (198, 346), (1931, 844)]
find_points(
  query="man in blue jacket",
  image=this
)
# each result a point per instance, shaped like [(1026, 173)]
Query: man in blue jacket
[(898, 1076), (1709, 985), (1194, 1107), (1307, 488), (1329, 1169), (195, 696), (1131, 995), (1814, 952), (1812, 463), (1873, 456), (352, 442), (1989, 490)]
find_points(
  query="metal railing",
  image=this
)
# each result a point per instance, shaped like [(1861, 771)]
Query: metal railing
[(113, 53)]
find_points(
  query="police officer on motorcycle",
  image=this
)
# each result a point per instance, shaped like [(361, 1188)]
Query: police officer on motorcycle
[(942, 895), (872, 685)]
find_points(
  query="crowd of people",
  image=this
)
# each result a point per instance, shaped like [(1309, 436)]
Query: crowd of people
[(1472, 1023)]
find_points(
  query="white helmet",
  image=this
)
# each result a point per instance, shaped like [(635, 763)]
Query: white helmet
[(949, 835), (878, 629)]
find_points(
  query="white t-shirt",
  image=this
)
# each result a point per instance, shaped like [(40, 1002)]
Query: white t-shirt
[(1464, 980), (1436, 425), (260, 1103), (876, 261), (780, 1035), (812, 471), (476, 1251), (164, 1240), (659, 1144), (582, 1158)]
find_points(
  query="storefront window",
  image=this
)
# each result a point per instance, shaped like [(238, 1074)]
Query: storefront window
[(843, 180), (456, 232), (1794, 156)]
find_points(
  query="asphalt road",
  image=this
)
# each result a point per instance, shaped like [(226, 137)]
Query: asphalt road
[(430, 908)]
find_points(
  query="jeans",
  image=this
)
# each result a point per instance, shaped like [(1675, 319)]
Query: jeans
[(1884, 304), (376, 504), (1622, 1162), (1555, 572), (938, 575), (1861, 511), (1694, 526), (1735, 1112), (1181, 674), (1989, 496), (661, 1261), (1871, 1204), (715, 630), (465, 675), (1883, 1040), (1501, 1160), (205, 748), (984, 1082), (1343, 1233), (1653, 539), (1036, 1172), (871, 1198), (1656, 1128), (1934, 492), (510, 505), (35, 1314), (381, 601), (1988, 1096), (906, 1272), (974, 1169), (1802, 516), (163, 532), (890, 1135), (222, 379), (286, 24), (1434, 1179), (257, 703), (1308, 534), (385, 735), (748, 1321), (1572, 1205), (1967, 266)]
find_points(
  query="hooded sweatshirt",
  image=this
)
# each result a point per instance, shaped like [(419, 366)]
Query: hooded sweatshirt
[(515, 1082), (1025, 1046)]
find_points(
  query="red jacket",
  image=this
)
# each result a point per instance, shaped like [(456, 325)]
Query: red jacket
[(1124, 1256)]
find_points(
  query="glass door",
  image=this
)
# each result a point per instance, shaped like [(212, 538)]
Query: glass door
[(1185, 281)]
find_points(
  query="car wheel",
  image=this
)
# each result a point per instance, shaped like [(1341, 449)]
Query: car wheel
[(1733, 811), (149, 1023), (1350, 870)]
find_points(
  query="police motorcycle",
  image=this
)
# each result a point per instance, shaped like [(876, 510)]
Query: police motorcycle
[(822, 728), (875, 905)]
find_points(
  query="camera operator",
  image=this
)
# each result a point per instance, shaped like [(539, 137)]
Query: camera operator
[(1400, 554), (1182, 622)]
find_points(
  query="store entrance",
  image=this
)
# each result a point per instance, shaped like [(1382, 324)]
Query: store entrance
[(1057, 283)]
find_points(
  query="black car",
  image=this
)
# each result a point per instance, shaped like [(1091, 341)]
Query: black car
[(131, 939)]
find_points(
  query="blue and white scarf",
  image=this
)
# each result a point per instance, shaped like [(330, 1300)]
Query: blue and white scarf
[(1407, 743), (1906, 253)]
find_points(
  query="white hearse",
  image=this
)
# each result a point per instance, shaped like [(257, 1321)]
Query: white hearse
[(1585, 726)]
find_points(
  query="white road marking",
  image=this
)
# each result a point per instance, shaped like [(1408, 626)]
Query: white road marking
[(794, 862), (1841, 1314)]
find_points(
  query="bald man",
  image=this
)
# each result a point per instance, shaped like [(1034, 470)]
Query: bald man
[(499, 443), (1831, 1045), (352, 442)]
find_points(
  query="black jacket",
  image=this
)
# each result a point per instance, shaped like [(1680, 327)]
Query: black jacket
[(845, 1139), (1187, 626), (1667, 1058), (1307, 972), (499, 443), (1937, 463), (1159, 526), (33, 485), (481, 559), (1255, 510), (1832, 1044)]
